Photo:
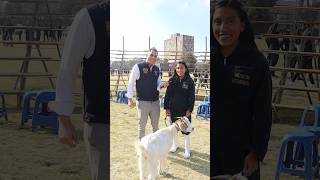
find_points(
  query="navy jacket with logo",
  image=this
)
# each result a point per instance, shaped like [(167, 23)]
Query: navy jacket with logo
[(180, 95), (147, 84), (242, 111)]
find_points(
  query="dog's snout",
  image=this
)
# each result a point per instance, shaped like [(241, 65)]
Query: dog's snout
[(184, 126)]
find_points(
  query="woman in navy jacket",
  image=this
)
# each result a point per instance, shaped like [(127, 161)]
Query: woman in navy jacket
[(179, 100), (242, 91)]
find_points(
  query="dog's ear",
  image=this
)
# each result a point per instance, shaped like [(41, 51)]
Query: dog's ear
[(179, 120), (188, 124), (183, 126)]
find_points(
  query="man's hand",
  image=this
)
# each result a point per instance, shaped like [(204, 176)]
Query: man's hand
[(67, 132), (188, 113), (168, 113), (131, 103), (164, 85), (251, 164)]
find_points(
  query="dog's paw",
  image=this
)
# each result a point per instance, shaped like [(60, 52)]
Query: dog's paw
[(173, 149), (187, 155)]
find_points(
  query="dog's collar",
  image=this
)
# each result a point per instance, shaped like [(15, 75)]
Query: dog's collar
[(185, 133)]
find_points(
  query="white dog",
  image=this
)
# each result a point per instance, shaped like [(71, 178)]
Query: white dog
[(153, 149)]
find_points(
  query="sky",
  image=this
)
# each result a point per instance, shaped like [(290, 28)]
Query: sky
[(136, 20)]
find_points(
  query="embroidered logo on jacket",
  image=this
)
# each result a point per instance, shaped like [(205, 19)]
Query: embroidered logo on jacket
[(185, 85), (145, 70), (241, 75)]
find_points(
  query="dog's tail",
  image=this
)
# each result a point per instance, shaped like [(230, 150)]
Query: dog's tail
[(141, 151)]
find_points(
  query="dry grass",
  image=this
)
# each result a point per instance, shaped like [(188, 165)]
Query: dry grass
[(37, 156), (124, 134)]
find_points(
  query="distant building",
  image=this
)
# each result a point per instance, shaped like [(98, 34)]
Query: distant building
[(180, 43)]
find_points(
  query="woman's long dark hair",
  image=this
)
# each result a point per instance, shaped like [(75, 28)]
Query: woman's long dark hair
[(246, 38)]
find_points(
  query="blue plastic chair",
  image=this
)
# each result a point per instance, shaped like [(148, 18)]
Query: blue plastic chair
[(314, 128), (121, 96), (118, 92), (308, 142), (26, 112), (206, 99), (203, 109), (316, 109), (3, 109), (124, 98), (43, 117)]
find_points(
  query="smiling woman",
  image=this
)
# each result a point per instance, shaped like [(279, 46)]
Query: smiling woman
[(228, 35), (242, 94)]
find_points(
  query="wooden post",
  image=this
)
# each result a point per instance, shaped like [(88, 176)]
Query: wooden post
[(176, 49), (124, 82), (120, 69), (205, 53), (278, 94)]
